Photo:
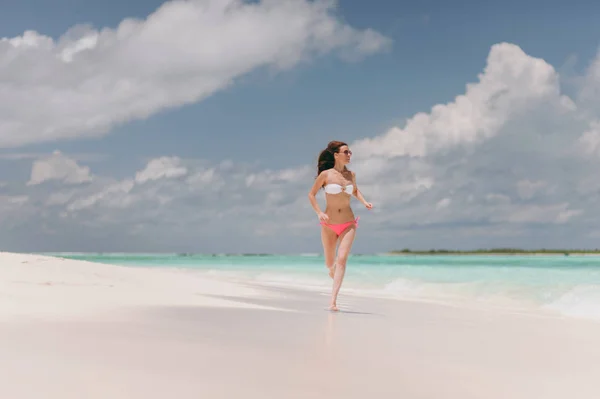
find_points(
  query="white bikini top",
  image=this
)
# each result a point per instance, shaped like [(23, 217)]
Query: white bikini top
[(336, 188)]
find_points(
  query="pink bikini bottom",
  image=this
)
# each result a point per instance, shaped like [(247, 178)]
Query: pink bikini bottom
[(341, 227)]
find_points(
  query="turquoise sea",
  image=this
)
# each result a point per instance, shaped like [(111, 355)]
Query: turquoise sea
[(569, 285)]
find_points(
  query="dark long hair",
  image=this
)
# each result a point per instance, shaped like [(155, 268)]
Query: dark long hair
[(326, 158)]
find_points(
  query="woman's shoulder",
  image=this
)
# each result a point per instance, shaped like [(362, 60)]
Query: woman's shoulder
[(323, 176), (325, 173)]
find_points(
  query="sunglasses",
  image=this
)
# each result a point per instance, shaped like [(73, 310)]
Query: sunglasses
[(347, 152)]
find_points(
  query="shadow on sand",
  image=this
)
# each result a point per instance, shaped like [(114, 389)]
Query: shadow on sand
[(352, 312)]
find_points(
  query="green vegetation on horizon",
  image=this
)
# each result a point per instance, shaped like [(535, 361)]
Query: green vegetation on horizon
[(504, 251)]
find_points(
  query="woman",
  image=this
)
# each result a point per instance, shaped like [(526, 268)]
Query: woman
[(338, 225)]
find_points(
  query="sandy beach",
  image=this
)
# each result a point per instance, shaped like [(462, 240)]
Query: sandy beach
[(74, 329)]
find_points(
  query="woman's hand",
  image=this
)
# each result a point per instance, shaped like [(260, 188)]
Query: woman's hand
[(323, 217), (368, 205)]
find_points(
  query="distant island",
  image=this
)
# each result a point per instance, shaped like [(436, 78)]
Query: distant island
[(498, 251)]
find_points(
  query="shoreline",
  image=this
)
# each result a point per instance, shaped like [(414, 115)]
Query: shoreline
[(74, 255), (494, 254)]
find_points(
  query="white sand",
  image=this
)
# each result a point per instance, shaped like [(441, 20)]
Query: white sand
[(35, 286), (73, 329)]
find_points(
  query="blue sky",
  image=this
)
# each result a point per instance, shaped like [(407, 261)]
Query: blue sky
[(267, 120), (437, 49)]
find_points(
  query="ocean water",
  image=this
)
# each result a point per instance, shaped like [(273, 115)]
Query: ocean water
[(568, 285)]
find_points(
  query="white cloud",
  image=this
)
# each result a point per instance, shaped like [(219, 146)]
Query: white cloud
[(59, 167), (60, 197), (527, 189), (589, 142), (511, 83), (542, 214), (498, 198), (114, 195), (501, 165), (202, 177), (567, 214), (161, 168), (12, 209), (90, 80), (443, 203), (78, 157), (7, 200)]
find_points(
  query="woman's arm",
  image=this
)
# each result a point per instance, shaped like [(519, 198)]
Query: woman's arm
[(358, 194), (319, 182)]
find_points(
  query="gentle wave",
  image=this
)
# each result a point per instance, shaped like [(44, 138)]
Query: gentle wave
[(574, 301), (581, 301), (569, 286)]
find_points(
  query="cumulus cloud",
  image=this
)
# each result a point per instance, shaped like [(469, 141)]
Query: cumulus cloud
[(511, 153), (589, 142), (511, 162), (527, 189), (59, 167), (511, 84), (161, 168), (79, 157), (89, 80), (114, 195)]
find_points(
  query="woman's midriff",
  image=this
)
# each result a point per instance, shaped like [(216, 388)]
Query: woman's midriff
[(338, 209)]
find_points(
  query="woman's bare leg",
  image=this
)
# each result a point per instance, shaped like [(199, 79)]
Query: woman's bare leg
[(346, 240), (329, 239)]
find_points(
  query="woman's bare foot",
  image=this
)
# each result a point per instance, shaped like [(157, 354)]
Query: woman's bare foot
[(333, 307), (331, 271)]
